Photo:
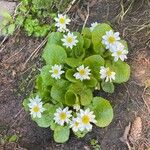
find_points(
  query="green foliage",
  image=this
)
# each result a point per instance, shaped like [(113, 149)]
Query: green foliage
[(34, 16), (51, 54), (68, 91), (103, 111), (47, 118), (107, 87), (61, 134), (97, 34), (95, 145)]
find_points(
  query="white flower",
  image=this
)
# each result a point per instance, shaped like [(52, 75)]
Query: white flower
[(62, 29), (76, 107), (110, 39), (106, 73), (119, 52), (70, 40), (36, 107), (56, 71), (83, 73), (93, 25), (62, 116), (85, 118), (62, 21), (75, 124)]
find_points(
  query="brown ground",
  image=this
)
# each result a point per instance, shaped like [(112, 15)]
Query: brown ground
[(129, 100)]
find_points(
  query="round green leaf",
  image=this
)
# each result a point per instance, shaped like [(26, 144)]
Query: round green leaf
[(103, 111), (70, 98), (94, 62), (73, 62), (122, 71), (61, 134), (58, 90), (69, 75), (55, 38), (91, 83), (86, 97), (97, 34), (46, 76), (107, 87), (54, 54)]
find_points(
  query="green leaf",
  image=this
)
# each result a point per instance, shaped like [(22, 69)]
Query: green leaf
[(11, 29), (122, 71), (70, 98), (80, 41), (47, 116), (80, 134), (55, 38), (91, 83), (13, 138), (86, 32), (25, 104), (46, 76), (103, 111), (61, 134), (97, 34), (85, 95), (42, 90), (87, 43), (79, 53), (58, 90), (78, 50), (94, 62), (107, 87), (73, 62), (69, 75), (54, 54)]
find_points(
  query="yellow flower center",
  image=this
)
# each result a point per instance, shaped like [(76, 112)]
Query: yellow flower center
[(82, 72), (55, 71), (63, 116), (85, 119), (69, 39), (111, 39), (109, 73), (119, 52), (62, 20), (36, 109)]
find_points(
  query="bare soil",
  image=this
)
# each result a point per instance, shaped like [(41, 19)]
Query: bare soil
[(130, 100)]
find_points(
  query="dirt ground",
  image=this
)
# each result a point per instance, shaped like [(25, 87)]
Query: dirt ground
[(130, 100)]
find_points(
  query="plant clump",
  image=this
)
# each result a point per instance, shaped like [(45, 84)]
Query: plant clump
[(75, 65)]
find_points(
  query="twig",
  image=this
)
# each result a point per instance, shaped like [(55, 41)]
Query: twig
[(87, 16), (3, 41), (15, 54), (70, 5), (43, 43), (124, 138), (36, 50)]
